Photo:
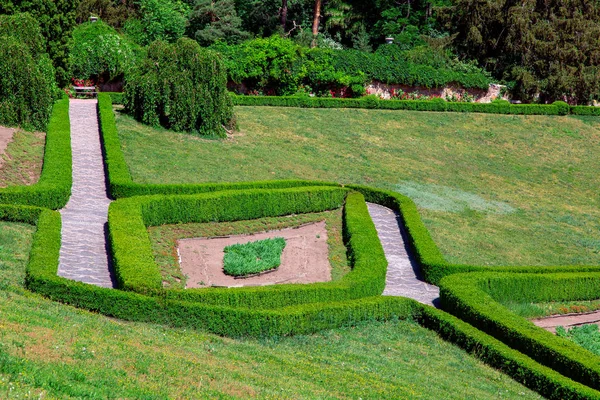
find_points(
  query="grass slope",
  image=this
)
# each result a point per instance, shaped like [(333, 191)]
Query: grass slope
[(520, 189), (537, 310), (23, 159), (50, 350)]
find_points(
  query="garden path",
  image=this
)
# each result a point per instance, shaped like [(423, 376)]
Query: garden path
[(403, 272), (83, 253)]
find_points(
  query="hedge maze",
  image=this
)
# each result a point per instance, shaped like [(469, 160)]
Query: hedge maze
[(474, 317)]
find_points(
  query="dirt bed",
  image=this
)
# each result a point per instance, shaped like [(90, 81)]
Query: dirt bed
[(6, 135), (567, 320), (305, 258)]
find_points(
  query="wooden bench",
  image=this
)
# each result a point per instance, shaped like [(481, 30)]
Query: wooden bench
[(85, 90)]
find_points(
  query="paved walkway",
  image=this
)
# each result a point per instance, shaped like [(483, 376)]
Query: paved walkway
[(83, 253), (403, 272), (567, 320)]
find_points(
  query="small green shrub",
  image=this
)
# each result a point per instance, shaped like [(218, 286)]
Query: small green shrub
[(241, 260), (563, 108), (180, 86)]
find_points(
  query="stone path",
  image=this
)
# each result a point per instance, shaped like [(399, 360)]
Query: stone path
[(83, 253), (567, 320), (403, 272)]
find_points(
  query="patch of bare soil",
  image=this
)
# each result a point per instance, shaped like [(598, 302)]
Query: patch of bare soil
[(305, 258), (567, 320), (6, 135)]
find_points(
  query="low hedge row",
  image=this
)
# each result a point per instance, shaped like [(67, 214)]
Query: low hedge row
[(121, 185), (137, 271), (558, 108), (493, 352), (476, 297), (41, 277), (54, 186), (433, 264)]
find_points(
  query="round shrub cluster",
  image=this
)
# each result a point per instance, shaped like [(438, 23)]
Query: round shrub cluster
[(27, 84), (180, 86)]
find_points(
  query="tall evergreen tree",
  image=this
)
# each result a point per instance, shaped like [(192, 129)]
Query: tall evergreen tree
[(216, 20)]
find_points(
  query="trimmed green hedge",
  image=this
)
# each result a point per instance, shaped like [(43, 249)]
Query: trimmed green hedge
[(116, 97), (476, 298), (493, 352), (41, 277), (137, 271), (121, 185), (54, 186), (413, 105), (433, 264)]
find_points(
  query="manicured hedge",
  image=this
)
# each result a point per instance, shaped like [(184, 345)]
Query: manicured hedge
[(475, 298), (41, 277), (585, 110), (493, 352), (137, 270), (121, 185), (54, 186), (413, 105)]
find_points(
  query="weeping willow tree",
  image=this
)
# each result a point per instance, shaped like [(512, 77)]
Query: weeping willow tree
[(180, 86)]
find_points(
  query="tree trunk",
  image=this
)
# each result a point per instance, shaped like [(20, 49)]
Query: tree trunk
[(316, 22), (284, 13)]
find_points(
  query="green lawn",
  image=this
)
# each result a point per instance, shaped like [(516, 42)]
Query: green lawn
[(22, 162), (49, 350), (493, 189)]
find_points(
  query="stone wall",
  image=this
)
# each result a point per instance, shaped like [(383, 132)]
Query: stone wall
[(481, 96)]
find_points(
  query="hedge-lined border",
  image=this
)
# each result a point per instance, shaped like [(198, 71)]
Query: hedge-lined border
[(434, 266), (137, 270), (558, 108), (121, 185), (53, 189), (304, 319), (476, 298)]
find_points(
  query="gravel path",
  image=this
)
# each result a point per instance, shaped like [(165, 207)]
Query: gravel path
[(403, 272), (83, 255), (567, 321)]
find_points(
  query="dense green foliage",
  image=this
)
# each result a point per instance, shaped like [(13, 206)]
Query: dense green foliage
[(27, 84), (254, 257), (216, 21), (53, 189), (279, 66), (159, 20), (587, 336), (550, 48), (180, 86), (99, 53), (56, 19)]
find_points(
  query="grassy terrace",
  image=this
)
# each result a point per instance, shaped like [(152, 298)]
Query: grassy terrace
[(50, 350), (22, 162), (492, 189)]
